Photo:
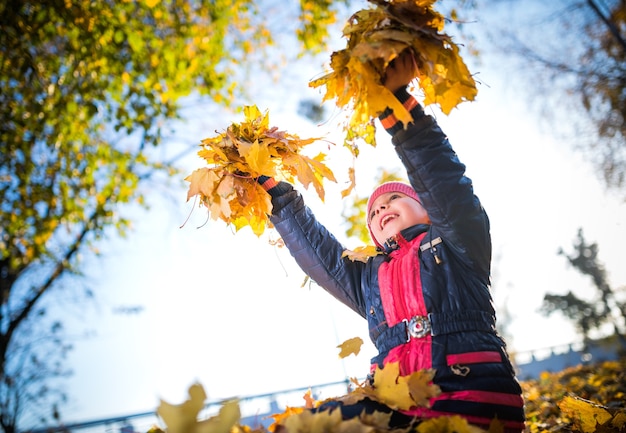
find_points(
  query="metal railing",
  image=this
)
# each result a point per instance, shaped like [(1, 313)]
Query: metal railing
[(256, 410)]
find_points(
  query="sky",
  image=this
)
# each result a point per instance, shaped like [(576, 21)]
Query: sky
[(231, 311)]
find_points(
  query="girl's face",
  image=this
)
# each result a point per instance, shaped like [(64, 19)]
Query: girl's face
[(392, 212)]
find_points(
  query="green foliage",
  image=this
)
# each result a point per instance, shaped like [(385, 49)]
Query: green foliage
[(316, 16), (601, 307), (86, 90), (74, 73)]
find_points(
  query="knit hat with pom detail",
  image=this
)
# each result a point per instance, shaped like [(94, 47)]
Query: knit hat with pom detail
[(386, 187)]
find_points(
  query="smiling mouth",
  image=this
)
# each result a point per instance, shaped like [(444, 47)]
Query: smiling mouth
[(386, 219)]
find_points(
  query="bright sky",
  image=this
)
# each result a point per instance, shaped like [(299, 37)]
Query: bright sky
[(229, 310)]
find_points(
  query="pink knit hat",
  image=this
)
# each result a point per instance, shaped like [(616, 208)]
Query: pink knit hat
[(385, 188)]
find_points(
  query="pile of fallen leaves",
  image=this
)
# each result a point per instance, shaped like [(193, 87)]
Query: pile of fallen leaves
[(585, 399), (375, 37)]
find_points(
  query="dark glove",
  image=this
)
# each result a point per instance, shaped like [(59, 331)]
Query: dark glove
[(275, 189)]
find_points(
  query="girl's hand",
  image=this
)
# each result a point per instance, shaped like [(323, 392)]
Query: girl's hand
[(401, 71)]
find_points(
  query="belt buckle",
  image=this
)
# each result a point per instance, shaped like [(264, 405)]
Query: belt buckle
[(417, 327)]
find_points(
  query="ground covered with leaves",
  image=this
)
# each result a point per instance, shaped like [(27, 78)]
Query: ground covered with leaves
[(587, 399), (590, 398)]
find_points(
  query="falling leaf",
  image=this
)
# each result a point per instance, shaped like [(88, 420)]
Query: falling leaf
[(351, 346), (351, 175)]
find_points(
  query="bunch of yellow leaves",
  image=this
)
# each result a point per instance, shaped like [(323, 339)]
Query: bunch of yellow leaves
[(228, 188), (375, 37)]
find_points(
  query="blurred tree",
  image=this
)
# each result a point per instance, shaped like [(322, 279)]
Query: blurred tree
[(86, 89), (605, 306), (571, 64)]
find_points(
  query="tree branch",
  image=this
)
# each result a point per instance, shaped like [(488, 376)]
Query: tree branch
[(59, 268), (612, 28)]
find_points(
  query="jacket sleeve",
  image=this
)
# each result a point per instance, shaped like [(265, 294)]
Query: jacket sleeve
[(439, 179), (317, 251)]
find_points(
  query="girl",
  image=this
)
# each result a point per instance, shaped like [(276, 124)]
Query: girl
[(426, 297)]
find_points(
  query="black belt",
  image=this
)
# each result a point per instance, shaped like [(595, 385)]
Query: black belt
[(434, 324)]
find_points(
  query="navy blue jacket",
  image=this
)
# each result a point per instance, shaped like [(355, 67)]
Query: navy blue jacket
[(454, 260)]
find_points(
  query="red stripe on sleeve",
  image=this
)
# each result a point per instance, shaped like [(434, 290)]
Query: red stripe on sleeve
[(389, 121), (410, 103), (269, 184)]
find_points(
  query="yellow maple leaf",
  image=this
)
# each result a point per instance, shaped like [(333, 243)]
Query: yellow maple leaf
[(300, 166), (227, 418), (258, 158), (391, 389), (279, 418), (351, 346), (183, 418), (378, 420), (352, 183), (179, 417), (397, 392), (361, 254), (585, 414), (421, 387), (314, 422), (373, 98), (200, 182)]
